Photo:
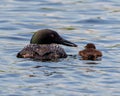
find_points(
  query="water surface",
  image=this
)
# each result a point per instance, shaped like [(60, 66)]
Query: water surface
[(80, 21)]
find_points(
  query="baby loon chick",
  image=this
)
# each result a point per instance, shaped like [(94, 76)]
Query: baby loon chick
[(44, 46), (90, 52)]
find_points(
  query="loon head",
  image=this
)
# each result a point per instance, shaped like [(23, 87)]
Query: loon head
[(47, 36)]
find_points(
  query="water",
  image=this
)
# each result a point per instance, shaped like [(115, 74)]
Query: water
[(80, 21)]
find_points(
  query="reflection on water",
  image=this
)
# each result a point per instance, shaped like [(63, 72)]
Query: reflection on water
[(80, 21)]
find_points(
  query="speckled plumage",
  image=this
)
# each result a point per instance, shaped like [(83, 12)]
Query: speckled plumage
[(42, 52)]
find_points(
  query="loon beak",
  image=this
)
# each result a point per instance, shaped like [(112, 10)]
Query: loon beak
[(67, 43)]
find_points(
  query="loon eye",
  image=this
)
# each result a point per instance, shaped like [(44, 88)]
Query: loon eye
[(52, 35)]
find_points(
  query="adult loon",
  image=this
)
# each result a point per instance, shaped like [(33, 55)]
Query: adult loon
[(44, 46)]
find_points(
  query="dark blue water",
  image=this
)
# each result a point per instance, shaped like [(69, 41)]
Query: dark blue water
[(80, 21)]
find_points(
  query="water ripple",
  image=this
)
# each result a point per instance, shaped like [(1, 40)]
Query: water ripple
[(80, 21)]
